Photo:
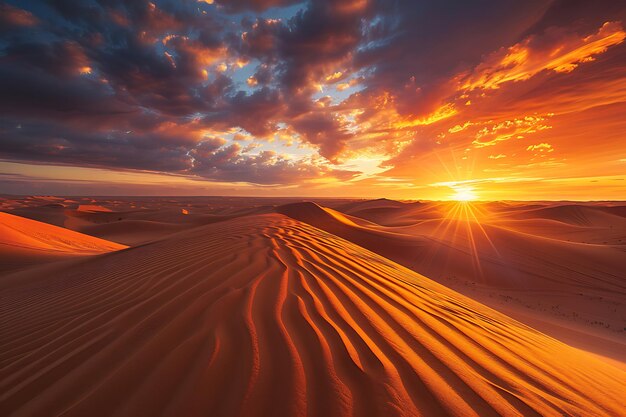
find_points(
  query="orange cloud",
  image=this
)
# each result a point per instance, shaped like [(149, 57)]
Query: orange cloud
[(334, 76), (443, 112), (350, 83), (542, 147), (16, 17), (459, 128), (351, 6), (252, 81), (552, 52), (510, 129)]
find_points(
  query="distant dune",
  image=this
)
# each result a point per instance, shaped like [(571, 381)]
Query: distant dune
[(576, 214), (92, 208), (268, 316), (26, 242), (132, 232), (123, 222)]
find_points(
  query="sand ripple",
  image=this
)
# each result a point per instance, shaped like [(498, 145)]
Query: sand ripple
[(267, 316)]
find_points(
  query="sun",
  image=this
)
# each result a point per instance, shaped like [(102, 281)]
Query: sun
[(464, 194)]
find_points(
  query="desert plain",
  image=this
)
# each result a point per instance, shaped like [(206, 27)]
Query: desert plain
[(231, 306)]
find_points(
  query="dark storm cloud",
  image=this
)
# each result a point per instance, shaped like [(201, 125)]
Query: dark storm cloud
[(12, 18), (60, 143), (255, 112), (254, 5), (269, 168)]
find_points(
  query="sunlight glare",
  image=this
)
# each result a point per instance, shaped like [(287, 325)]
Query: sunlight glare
[(464, 194)]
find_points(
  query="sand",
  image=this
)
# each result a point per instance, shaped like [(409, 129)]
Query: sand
[(25, 242), (244, 307), (543, 276)]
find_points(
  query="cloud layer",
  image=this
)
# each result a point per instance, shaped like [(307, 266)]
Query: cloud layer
[(285, 93)]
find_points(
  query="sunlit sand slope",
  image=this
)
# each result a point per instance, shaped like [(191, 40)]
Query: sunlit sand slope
[(267, 316), (19, 232), (24, 241), (574, 282)]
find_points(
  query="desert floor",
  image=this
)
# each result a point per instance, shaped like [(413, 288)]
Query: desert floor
[(216, 306)]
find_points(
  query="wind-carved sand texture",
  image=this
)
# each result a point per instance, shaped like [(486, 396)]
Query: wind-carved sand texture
[(560, 277), (267, 316)]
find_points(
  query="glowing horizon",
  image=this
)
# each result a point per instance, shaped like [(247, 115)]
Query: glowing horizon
[(158, 99), (464, 194)]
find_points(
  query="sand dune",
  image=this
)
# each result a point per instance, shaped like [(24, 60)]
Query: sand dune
[(310, 212), (25, 242), (55, 215), (123, 221), (564, 284), (132, 232), (456, 244), (30, 234), (91, 208), (402, 248), (396, 215), (365, 205), (135, 228), (268, 316), (577, 214)]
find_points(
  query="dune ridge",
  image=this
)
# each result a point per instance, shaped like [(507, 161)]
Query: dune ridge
[(25, 242), (577, 215), (573, 282), (22, 233), (265, 315)]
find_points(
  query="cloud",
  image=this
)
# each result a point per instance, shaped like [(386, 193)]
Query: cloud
[(422, 88), (518, 128), (556, 50), (13, 17), (541, 147), (254, 5), (267, 167)]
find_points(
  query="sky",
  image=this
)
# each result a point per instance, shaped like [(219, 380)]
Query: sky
[(447, 99)]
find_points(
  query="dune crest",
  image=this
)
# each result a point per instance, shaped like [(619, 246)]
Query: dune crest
[(25, 242), (541, 271), (93, 208), (268, 316), (21, 233)]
